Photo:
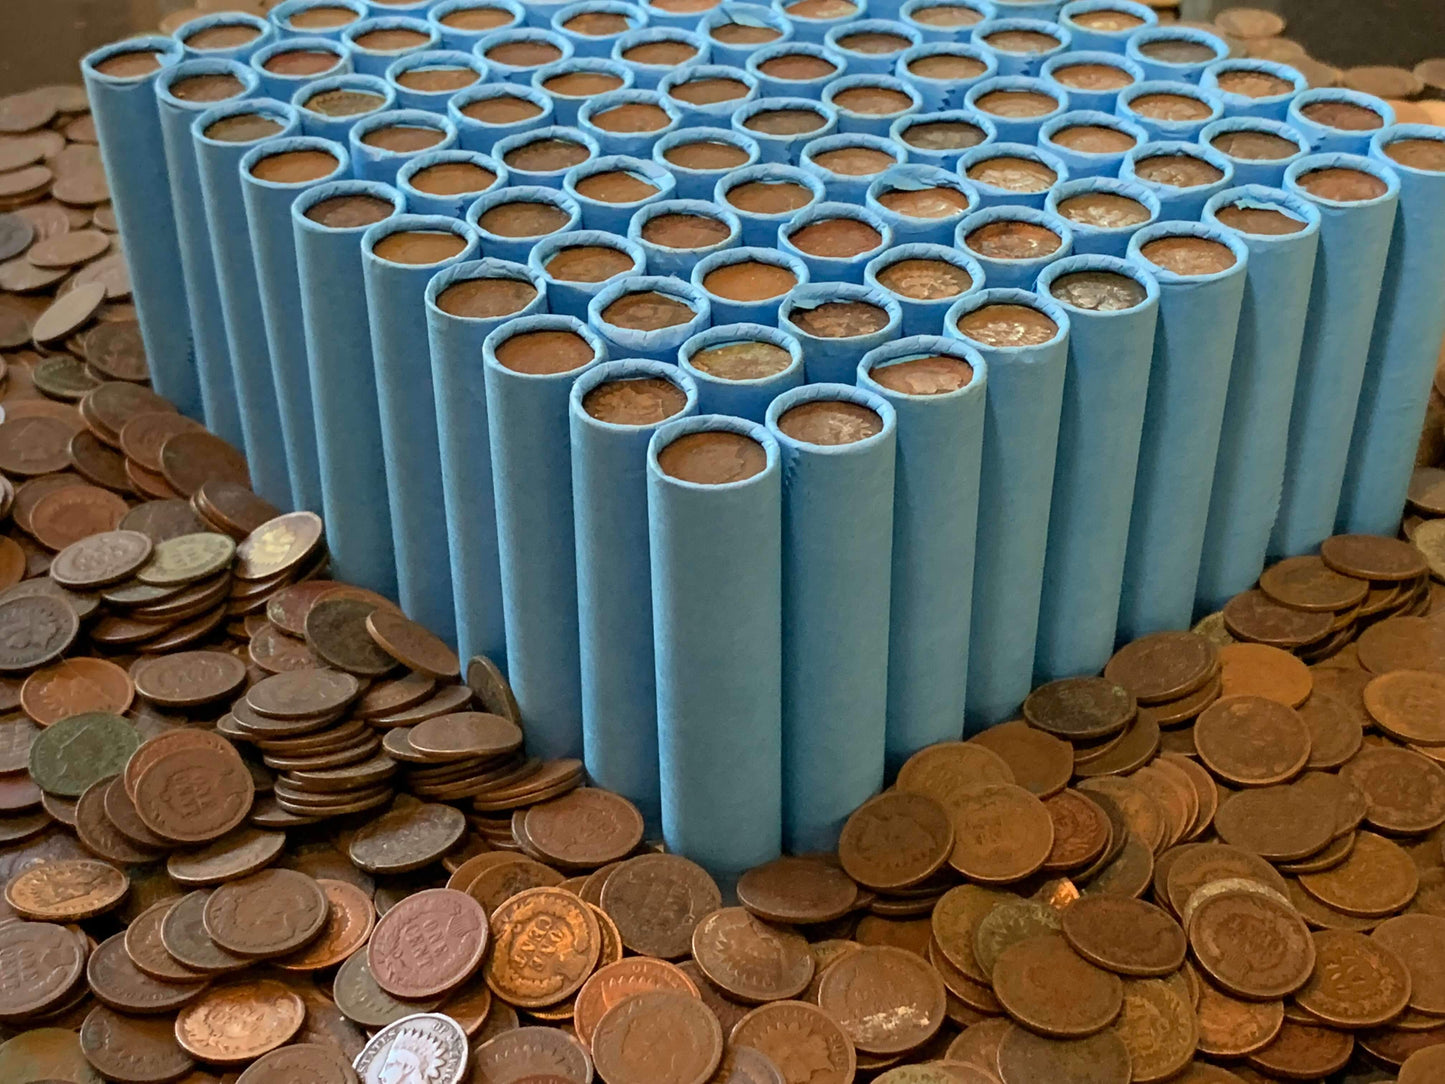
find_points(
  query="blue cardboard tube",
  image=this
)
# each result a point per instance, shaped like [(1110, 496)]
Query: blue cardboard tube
[(1105, 384), (1175, 203), (507, 149), (475, 133), (1324, 139), (375, 61), (536, 548), (837, 553), (1043, 10), (774, 86), (463, 23), (1268, 172), (516, 248), (908, 229), (973, 167), (540, 12), (314, 122), (493, 49), (812, 28), (1016, 477), (293, 18), (1160, 128), (1402, 358), (463, 437), (660, 345), (925, 316), (343, 388), (282, 86), (1249, 470), (1110, 39), (192, 35), (613, 217), (1015, 129), (729, 311), (433, 101), (682, 15), (736, 12), (453, 203), (1021, 63), (219, 163), (877, 124), (273, 245), (935, 512), (692, 183), (673, 87), (1018, 273), (589, 44), (1185, 72), (848, 187), (861, 63), (944, 90), (1188, 384), (928, 146), (569, 297), (953, 28), (638, 143), (741, 398), (762, 229), (1264, 106), (784, 149), (374, 163), (662, 260), (614, 586), (831, 360), (1104, 100), (1083, 162), (716, 553), (216, 385), (132, 146), (413, 8), (405, 398), (1344, 299), (1103, 234), (566, 106), (835, 268), (648, 73)]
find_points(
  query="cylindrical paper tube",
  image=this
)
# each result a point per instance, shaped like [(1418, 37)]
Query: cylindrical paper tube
[(1260, 150), (628, 121), (922, 204), (399, 257), (747, 285), (653, 52), (384, 142), (379, 42), (1043, 10), (543, 156), (330, 108), (515, 55), (1012, 174), (449, 182), (527, 388), (1182, 175), (1014, 244), (830, 238), (272, 176), (610, 430), (540, 12), (716, 549), (1281, 232), (1018, 105), (1338, 121), (706, 93), (794, 69), (1254, 88), (317, 18), (1356, 224), (619, 327), (1150, 49), (837, 323), (837, 551), (1024, 338), (954, 23), (943, 71), (132, 146), (574, 268), (1103, 213), (429, 80), (221, 137), (925, 280), (733, 47), (522, 211), (698, 158), (813, 24), (1105, 25), (677, 233), (735, 371), (1170, 110), (593, 26), (415, 8), (1092, 80), (1402, 351), (865, 53), (493, 111), (862, 108), (618, 185), (343, 379), (1090, 143), (572, 83), (775, 125), (225, 35), (941, 139), (997, 35), (287, 65), (1201, 275), (463, 23), (752, 192), (939, 399), (847, 164), (1113, 306)]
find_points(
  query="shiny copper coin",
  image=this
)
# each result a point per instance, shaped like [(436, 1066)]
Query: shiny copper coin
[(239, 1022), (278, 545), (895, 840), (1045, 986), (350, 918), (74, 686), (783, 1028), (66, 891), (529, 975)]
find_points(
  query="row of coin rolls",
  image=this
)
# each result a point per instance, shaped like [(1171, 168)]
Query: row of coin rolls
[(777, 388)]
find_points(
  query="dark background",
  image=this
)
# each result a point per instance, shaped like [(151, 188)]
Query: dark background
[(44, 39)]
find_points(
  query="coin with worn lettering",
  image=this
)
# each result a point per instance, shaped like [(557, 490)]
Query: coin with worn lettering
[(302, 693), (270, 913), (100, 559), (657, 900), (1307, 583), (1163, 665), (1304, 1052), (1082, 831), (1002, 833), (1280, 823), (350, 918), (1252, 945), (1159, 1029), (194, 795), (895, 840), (146, 950), (942, 771), (1375, 879), (749, 959), (1252, 741), (413, 646), (658, 1036), (238, 1022), (75, 687), (1230, 1027), (67, 891), (1371, 557), (407, 837), (278, 544), (1080, 708), (1357, 982), (461, 734), (241, 851), (533, 1054), (1419, 941), (616, 982), (132, 1050), (184, 936), (116, 981), (336, 630), (888, 1000), (1126, 936), (366, 1003), (584, 829), (806, 1044), (1047, 987), (430, 943), (187, 558), (43, 964), (314, 1063), (425, 1048), (1423, 1066), (1404, 790), (546, 942), (34, 630), (1025, 1058), (1409, 705)]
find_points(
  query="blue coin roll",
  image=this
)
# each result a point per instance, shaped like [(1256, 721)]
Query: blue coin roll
[(270, 64), (878, 124), (1105, 384), (952, 28), (517, 144), (415, 8), (1168, 128), (773, 86), (761, 228), (935, 513), (929, 148), (832, 359), (660, 344), (536, 548), (610, 215), (937, 226), (837, 560), (1234, 137), (741, 397), (1179, 203), (569, 297), (451, 194), (1109, 232), (1242, 69), (1111, 38), (665, 260), (1085, 162), (132, 146), (1402, 355), (414, 64), (835, 268), (636, 143), (731, 11), (539, 12), (497, 46), (1325, 138), (1103, 100), (1344, 299), (273, 246), (726, 310), (193, 35), (784, 149), (302, 19), (378, 163), (973, 166), (646, 45), (673, 88), (944, 90), (924, 315), (463, 23), (1185, 71), (814, 28), (586, 39), (375, 61), (218, 158), (1016, 129), (395, 294), (692, 182), (589, 71), (1008, 271), (517, 247), (1044, 10), (1188, 385), (1016, 477), (481, 135), (716, 553), (343, 386), (1249, 469), (315, 122), (1021, 62), (843, 186)]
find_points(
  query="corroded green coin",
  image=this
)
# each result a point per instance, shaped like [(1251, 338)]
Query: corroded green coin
[(188, 558), (70, 755)]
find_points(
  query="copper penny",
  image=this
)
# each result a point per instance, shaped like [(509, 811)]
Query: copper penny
[(70, 514), (1255, 617), (44, 963), (1423, 1066), (407, 837), (1335, 732), (1357, 981), (74, 686), (66, 891), (749, 959), (627, 1039), (1404, 790), (270, 913), (278, 545), (1158, 1027), (1263, 670), (116, 981), (1252, 945), (302, 694), (1081, 831), (130, 1050), (1419, 941), (796, 890), (1371, 557), (466, 734), (1307, 583), (237, 1023), (802, 1040), (336, 630), (1023, 1057), (429, 943), (1163, 665), (617, 982), (144, 435), (1126, 936), (100, 559), (547, 942), (1002, 833), (1042, 764), (888, 1000), (1402, 643), (192, 457), (1045, 986), (190, 678), (1377, 878), (349, 921), (146, 951), (1409, 705), (184, 936), (1305, 1052), (532, 1054), (1252, 741), (366, 1003), (194, 795), (1280, 823), (317, 1063), (1231, 1028), (955, 922), (411, 645), (895, 840)]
